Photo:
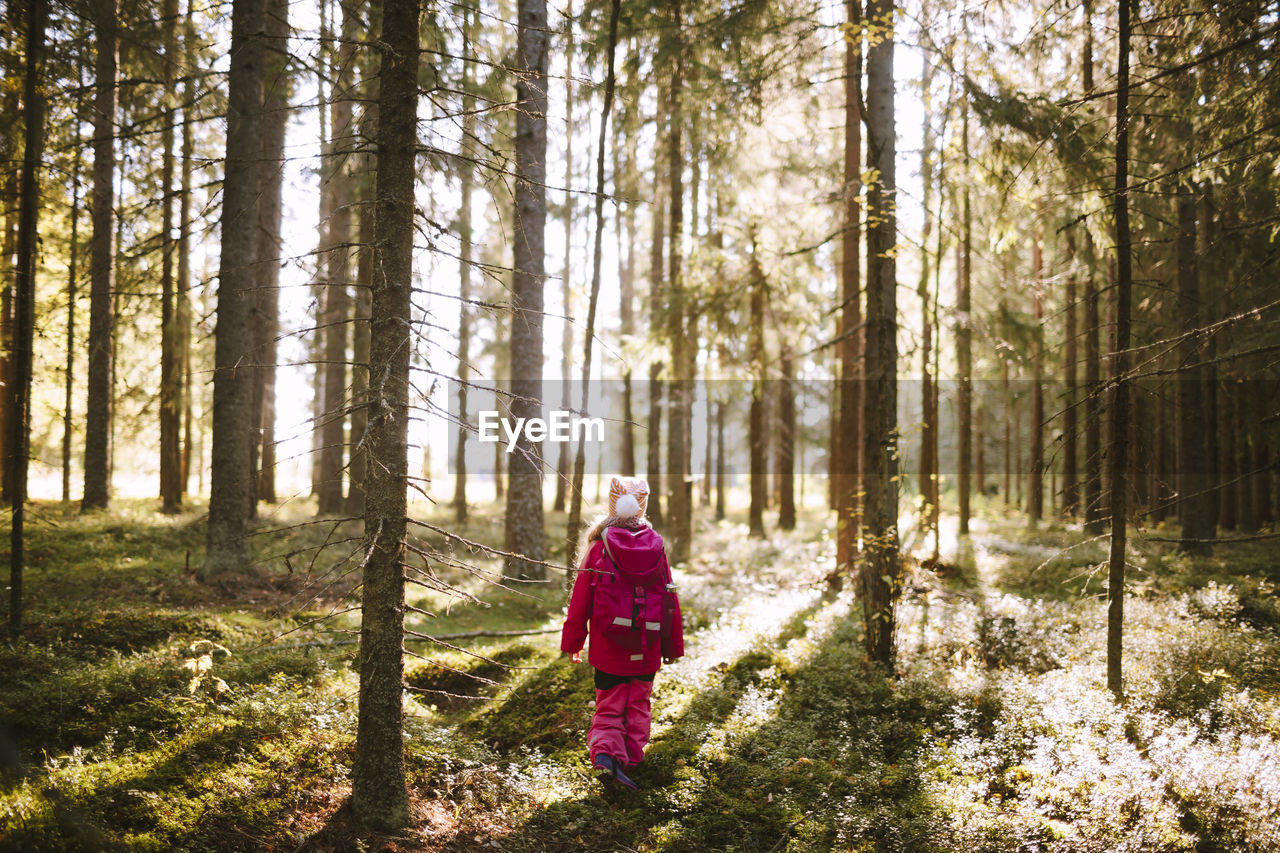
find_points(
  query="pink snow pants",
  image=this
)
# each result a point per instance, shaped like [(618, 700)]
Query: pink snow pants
[(620, 725)]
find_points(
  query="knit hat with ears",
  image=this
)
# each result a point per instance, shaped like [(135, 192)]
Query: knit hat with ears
[(628, 497)]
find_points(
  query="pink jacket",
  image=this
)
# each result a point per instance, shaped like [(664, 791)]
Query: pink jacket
[(636, 550)]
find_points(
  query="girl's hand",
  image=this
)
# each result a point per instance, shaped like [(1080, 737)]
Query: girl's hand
[(576, 657)]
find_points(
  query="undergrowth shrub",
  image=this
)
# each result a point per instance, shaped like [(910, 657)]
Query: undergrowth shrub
[(1228, 787), (1191, 660)]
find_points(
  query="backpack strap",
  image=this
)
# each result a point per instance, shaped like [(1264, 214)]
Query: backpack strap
[(604, 540), (665, 559), (595, 578)]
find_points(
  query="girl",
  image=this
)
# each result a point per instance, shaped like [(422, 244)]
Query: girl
[(623, 584)]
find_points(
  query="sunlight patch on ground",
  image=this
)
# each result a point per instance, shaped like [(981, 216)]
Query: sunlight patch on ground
[(818, 628), (754, 588), (1045, 753)]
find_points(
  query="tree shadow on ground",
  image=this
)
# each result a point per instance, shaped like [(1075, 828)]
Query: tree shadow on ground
[(549, 710), (827, 753), (273, 783)]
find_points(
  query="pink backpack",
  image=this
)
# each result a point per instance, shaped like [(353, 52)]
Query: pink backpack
[(635, 615)]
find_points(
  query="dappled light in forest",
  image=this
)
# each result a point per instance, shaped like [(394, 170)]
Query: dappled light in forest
[(664, 427)]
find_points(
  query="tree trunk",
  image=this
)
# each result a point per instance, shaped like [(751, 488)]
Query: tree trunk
[(1093, 517), (934, 402), (183, 302), (1211, 505), (1035, 498), (1109, 374), (337, 303), (566, 290), (755, 349), (1157, 498), (357, 456), (721, 468), (1019, 477), (73, 271), (170, 377), (97, 436), (979, 450), (716, 241), (1092, 359), (1142, 422), (588, 339), (679, 518), (1053, 483), (1120, 361), (846, 450), (881, 570), (275, 115), (656, 276), (6, 333), (1228, 503), (708, 461), (1245, 508), (11, 201), (929, 423), (1259, 400), (229, 491), (787, 442), (692, 318), (1071, 416), (469, 22), (627, 466), (117, 300), (379, 791), (770, 443), (625, 159), (316, 345), (19, 424), (964, 335), (833, 422), (499, 458), (524, 529), (1007, 440)]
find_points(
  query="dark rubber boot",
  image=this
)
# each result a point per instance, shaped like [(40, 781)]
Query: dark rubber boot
[(608, 770)]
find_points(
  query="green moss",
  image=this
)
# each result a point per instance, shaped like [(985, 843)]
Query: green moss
[(792, 742), (547, 707)]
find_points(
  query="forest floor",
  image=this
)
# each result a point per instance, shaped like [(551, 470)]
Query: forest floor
[(144, 710)]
